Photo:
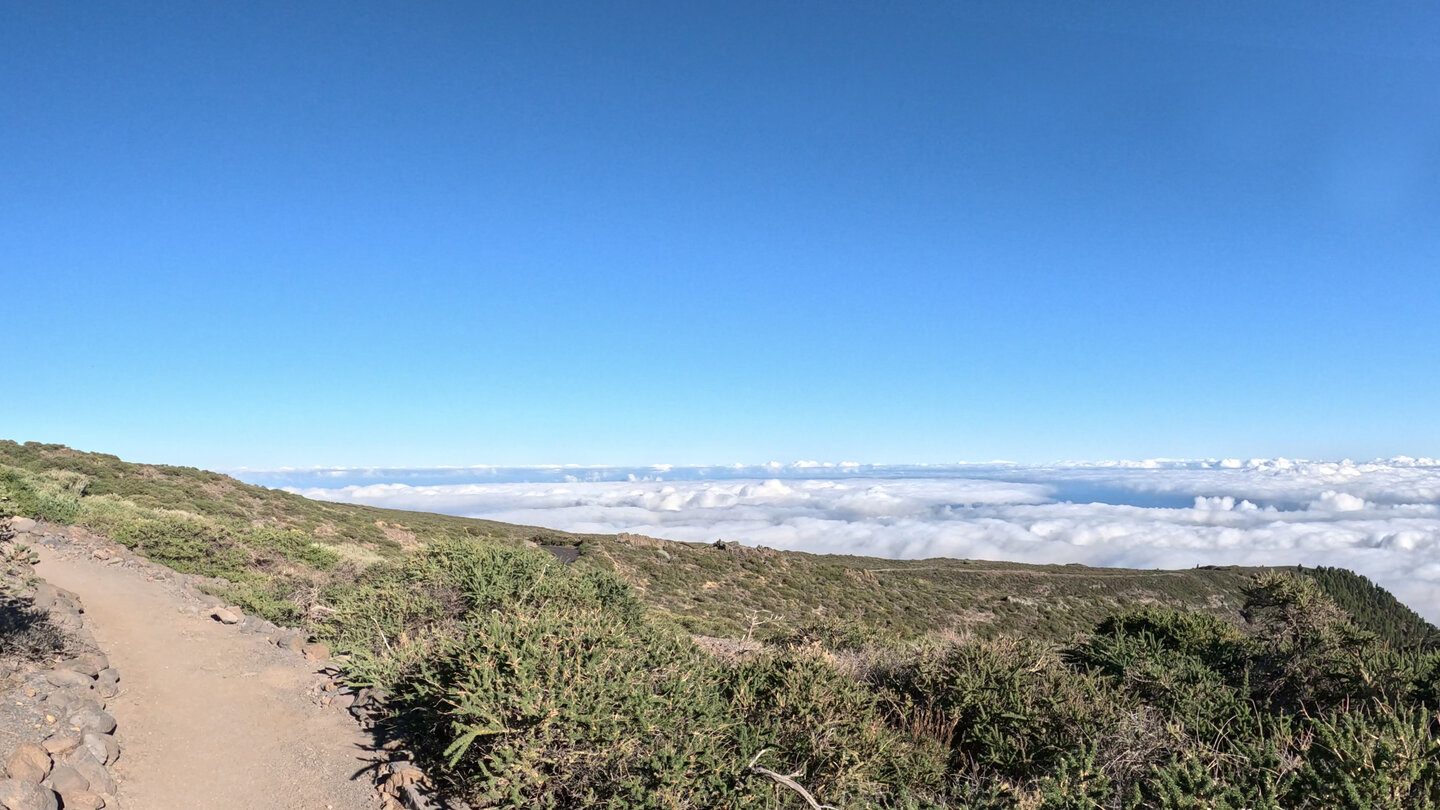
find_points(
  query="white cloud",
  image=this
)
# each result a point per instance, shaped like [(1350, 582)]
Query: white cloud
[(1379, 518), (1333, 501)]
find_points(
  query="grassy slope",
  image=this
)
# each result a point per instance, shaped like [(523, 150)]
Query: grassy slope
[(715, 591), (725, 591), (211, 494)]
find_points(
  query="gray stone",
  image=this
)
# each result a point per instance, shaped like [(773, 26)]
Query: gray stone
[(23, 524), (92, 720), (70, 598), (28, 763), (224, 616), (86, 703), (62, 744), (16, 795), (95, 773), (107, 683), (64, 702), (371, 696), (103, 747), (259, 626), (45, 595), (88, 664), (65, 779), (82, 800)]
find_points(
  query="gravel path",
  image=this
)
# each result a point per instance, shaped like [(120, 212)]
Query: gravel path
[(211, 719)]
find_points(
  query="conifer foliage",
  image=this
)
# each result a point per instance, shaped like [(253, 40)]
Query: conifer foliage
[(1374, 608)]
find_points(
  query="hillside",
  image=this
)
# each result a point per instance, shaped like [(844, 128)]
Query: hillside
[(1374, 608), (273, 543), (709, 590), (213, 495), (518, 680)]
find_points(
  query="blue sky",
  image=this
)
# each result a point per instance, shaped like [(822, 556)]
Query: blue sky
[(513, 233)]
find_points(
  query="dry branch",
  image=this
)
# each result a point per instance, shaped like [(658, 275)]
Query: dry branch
[(787, 781)]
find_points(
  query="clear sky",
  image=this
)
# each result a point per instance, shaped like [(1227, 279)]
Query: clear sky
[(513, 233)]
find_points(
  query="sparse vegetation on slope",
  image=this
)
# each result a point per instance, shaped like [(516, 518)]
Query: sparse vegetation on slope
[(535, 685), (738, 590), (521, 681), (212, 495), (277, 549)]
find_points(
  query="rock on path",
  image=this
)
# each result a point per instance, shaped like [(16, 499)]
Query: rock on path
[(212, 719)]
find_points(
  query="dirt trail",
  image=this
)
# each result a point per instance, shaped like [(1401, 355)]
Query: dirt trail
[(211, 719)]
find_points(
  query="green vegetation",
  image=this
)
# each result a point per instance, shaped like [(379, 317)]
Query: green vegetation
[(520, 681), (733, 590), (534, 684), (212, 495), (272, 549), (1374, 608), (528, 683)]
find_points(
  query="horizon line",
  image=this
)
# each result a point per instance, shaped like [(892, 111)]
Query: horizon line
[(1233, 462)]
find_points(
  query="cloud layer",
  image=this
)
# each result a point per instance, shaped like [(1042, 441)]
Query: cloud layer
[(1379, 518)]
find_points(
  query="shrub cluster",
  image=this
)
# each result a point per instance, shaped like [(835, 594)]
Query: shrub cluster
[(529, 684)]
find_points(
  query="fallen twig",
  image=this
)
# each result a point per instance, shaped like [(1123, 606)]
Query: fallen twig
[(787, 781)]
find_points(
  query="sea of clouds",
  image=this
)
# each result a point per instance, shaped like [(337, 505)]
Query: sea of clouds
[(1380, 518)]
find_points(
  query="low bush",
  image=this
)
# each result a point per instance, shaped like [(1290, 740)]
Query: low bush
[(530, 684), (27, 634), (52, 495)]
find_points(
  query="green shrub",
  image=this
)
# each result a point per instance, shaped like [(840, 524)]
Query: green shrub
[(270, 599), (832, 634), (266, 542), (52, 495), (187, 544), (1372, 758), (1007, 707), (821, 722), (527, 683)]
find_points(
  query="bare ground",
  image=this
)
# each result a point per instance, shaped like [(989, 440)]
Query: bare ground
[(211, 719)]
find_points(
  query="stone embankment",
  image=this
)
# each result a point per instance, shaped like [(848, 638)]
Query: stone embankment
[(58, 738)]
